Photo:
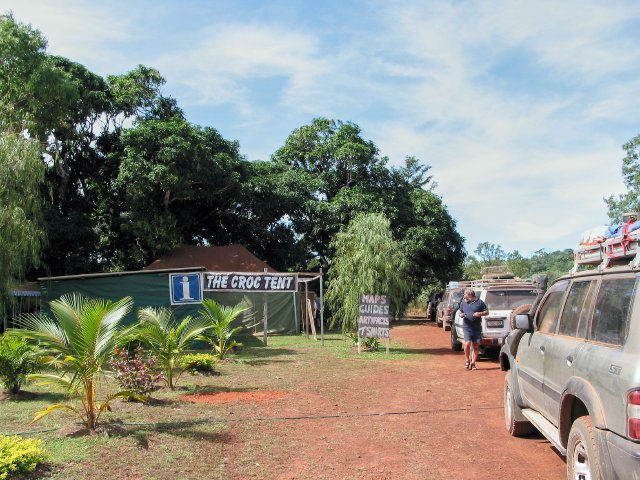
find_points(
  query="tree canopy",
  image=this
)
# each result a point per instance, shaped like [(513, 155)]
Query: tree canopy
[(629, 201), (554, 264), (121, 177)]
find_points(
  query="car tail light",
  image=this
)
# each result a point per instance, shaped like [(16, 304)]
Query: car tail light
[(633, 414), (448, 311)]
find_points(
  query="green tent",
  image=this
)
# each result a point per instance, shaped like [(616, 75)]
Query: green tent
[(150, 288)]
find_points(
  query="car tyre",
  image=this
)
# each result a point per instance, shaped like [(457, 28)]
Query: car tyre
[(438, 323), (456, 345), (512, 411), (583, 459)]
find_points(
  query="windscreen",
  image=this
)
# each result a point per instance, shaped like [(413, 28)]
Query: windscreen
[(509, 299)]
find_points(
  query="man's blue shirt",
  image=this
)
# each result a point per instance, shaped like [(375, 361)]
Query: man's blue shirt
[(469, 309)]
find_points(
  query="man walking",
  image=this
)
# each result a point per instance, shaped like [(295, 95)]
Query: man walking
[(472, 309)]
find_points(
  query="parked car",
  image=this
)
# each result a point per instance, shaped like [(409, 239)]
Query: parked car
[(434, 299), (573, 372), (446, 306)]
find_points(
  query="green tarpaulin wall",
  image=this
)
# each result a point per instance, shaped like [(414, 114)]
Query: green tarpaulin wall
[(151, 289)]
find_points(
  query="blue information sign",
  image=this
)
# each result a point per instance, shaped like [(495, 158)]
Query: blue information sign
[(185, 288)]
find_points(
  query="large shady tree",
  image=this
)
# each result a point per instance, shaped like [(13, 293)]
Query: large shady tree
[(367, 260)]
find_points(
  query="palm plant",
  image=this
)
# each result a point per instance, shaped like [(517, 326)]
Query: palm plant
[(82, 337), (168, 339), (220, 319), (17, 360)]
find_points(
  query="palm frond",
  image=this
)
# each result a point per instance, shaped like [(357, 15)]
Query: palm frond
[(53, 408)]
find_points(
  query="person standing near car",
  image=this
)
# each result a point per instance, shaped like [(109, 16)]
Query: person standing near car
[(472, 309)]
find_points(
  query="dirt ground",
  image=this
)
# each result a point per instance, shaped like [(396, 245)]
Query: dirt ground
[(424, 419)]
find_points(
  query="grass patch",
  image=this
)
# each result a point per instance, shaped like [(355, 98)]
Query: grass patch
[(169, 438)]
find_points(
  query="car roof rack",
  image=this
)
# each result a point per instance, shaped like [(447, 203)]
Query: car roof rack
[(612, 251), (502, 282)]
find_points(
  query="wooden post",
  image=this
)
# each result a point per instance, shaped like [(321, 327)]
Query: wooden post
[(321, 311), (265, 314), (358, 343), (311, 322), (295, 312), (388, 341), (306, 313)]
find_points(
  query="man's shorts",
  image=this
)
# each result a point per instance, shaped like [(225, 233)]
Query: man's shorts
[(471, 334)]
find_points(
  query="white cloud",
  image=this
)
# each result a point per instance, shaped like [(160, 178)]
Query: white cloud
[(86, 32), (225, 58)]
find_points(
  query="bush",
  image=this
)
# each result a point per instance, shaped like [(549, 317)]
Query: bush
[(18, 455), (17, 360), (134, 372), (369, 344), (196, 363)]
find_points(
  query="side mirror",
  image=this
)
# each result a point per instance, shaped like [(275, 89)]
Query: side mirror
[(522, 322)]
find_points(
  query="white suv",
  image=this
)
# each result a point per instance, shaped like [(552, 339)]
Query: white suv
[(501, 297)]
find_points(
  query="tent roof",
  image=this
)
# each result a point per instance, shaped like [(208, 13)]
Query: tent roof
[(230, 258)]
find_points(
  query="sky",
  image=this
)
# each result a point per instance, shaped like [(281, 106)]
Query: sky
[(520, 108)]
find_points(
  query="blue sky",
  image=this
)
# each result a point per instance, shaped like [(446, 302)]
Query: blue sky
[(520, 107)]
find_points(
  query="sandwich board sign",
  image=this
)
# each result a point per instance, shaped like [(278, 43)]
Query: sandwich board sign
[(185, 288), (373, 318)]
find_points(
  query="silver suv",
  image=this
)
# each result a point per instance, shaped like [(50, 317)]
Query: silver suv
[(573, 372)]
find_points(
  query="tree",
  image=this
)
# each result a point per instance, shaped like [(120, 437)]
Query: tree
[(367, 260), (17, 360), (179, 183), (34, 93), (433, 246), (83, 337), (490, 253), (349, 174), (219, 318), (21, 230), (167, 338), (629, 201), (553, 264)]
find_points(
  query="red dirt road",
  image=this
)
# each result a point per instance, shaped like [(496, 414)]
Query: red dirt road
[(456, 429)]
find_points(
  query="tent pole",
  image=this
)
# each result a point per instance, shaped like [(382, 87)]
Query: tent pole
[(306, 309), (321, 311), (295, 312), (265, 313)]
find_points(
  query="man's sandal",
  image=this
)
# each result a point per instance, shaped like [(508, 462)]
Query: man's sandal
[(467, 365), (472, 366)]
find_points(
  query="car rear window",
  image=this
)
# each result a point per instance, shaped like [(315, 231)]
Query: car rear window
[(611, 313), (509, 299)]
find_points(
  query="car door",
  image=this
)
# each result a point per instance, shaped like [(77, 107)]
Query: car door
[(533, 345), (604, 364), (565, 346)]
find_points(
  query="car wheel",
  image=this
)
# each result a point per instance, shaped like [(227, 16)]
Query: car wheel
[(438, 323), (456, 345), (583, 461), (516, 428), (445, 327)]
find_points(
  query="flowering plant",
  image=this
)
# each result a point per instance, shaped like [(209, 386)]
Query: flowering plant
[(134, 372)]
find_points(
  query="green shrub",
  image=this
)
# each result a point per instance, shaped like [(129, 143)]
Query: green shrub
[(369, 344), (18, 455), (196, 363), (17, 360)]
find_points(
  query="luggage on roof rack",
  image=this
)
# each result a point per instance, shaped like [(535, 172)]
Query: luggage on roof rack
[(611, 251)]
